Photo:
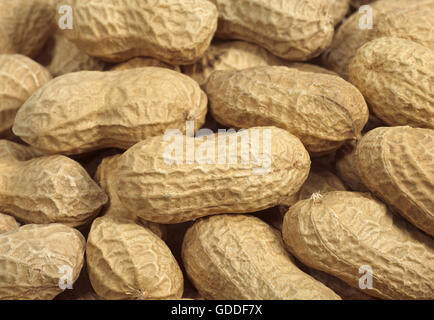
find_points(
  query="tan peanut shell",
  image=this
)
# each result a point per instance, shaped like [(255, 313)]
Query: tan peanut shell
[(106, 179), (166, 187), (25, 26), (322, 110), (397, 165), (90, 110), (396, 77), (35, 261), (295, 30), (11, 151), (141, 62), (346, 168), (230, 55), (114, 208), (67, 58), (414, 23), (338, 9), (350, 36), (20, 77), (172, 31), (347, 233), (46, 189), (234, 257), (128, 261), (7, 223)]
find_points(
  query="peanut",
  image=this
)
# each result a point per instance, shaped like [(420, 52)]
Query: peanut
[(230, 55), (67, 58), (173, 31), (20, 77), (322, 110), (106, 179), (338, 9), (340, 232), (414, 23), (307, 29), (46, 189), (353, 33), (35, 258), (25, 26), (385, 66), (7, 223), (127, 261), (397, 165), (241, 257), (114, 208), (165, 189), (90, 110)]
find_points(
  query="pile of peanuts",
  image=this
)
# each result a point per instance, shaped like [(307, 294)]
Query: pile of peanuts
[(216, 149)]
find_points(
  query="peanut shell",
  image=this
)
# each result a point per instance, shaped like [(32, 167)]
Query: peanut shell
[(396, 76), (67, 58), (233, 257), (397, 165), (347, 233), (35, 261), (25, 26), (322, 110), (230, 55), (91, 110), (46, 189), (354, 32), (7, 223), (295, 30), (20, 77), (163, 188), (172, 31), (114, 208), (128, 261)]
